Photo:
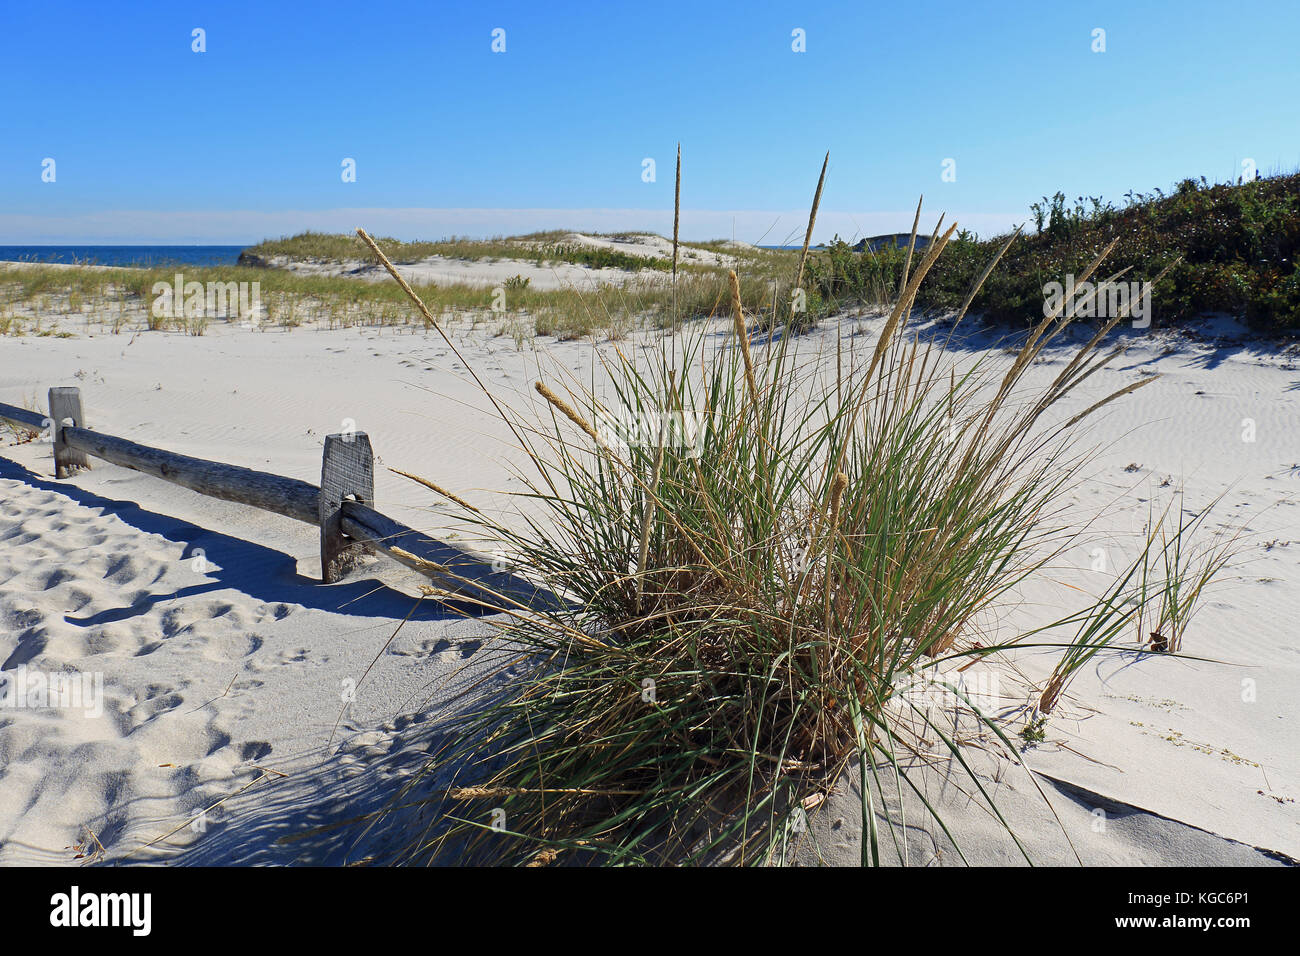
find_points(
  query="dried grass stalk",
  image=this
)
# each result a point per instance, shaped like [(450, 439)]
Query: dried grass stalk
[(812, 220)]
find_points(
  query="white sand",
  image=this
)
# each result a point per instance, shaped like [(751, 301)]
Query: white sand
[(212, 673), (482, 273)]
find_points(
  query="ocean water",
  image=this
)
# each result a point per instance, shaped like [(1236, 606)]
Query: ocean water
[(125, 255)]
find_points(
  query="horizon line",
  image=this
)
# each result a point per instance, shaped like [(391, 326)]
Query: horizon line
[(228, 227)]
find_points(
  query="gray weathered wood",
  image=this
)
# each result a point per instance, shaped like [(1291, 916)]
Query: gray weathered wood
[(65, 409), (453, 568), (286, 496), (23, 417), (347, 474), (342, 507)]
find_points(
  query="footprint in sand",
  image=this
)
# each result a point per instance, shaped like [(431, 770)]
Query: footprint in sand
[(427, 648), (254, 750), (231, 647), (146, 710), (278, 611)]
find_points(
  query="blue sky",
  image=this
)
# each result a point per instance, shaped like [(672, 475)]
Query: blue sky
[(154, 142)]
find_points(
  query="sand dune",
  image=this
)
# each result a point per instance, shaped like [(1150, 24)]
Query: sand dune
[(491, 272), (488, 273)]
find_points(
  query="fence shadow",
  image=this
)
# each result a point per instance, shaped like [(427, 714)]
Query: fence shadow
[(260, 572)]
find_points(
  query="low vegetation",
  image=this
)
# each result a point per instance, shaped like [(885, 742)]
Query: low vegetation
[(1229, 248), (33, 296), (538, 247)]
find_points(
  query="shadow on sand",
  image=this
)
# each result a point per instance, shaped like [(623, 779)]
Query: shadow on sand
[(260, 572)]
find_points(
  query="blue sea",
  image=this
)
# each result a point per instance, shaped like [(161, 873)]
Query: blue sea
[(125, 255)]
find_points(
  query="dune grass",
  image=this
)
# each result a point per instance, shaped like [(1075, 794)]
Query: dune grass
[(1152, 599), (119, 300), (746, 598)]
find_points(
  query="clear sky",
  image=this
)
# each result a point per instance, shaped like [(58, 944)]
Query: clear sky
[(155, 142)]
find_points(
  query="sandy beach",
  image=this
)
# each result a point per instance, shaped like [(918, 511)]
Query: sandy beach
[(235, 721)]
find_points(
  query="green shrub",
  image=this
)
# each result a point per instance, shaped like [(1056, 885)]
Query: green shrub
[(1238, 246)]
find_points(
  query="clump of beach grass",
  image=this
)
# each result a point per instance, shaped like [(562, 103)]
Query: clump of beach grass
[(747, 585), (1154, 596)]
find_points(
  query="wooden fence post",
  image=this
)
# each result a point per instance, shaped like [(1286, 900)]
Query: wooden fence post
[(65, 407), (347, 471)]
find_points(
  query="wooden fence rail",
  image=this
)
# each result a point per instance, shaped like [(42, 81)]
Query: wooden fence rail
[(285, 496), (342, 505)]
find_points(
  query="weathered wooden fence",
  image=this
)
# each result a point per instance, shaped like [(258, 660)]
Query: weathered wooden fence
[(342, 506)]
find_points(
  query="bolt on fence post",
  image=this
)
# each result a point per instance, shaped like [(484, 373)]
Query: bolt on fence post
[(65, 407), (347, 472)]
